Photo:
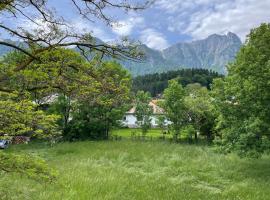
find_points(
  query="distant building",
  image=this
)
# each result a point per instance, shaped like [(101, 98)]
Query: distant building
[(130, 119)]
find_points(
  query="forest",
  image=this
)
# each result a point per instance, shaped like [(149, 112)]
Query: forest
[(156, 83)]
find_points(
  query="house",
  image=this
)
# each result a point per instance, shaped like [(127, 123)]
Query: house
[(129, 119)]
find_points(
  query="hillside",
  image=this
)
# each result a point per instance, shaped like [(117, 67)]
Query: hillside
[(156, 83)]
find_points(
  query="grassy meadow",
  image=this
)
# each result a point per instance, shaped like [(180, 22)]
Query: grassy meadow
[(140, 170), (127, 133)]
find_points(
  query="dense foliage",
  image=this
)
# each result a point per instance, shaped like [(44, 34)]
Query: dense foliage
[(143, 110), (95, 112), (28, 165), (200, 111), (89, 95), (243, 97), (156, 83), (173, 106), (20, 117), (59, 93), (190, 110), (42, 68)]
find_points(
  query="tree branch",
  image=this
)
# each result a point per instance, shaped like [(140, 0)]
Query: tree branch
[(17, 48)]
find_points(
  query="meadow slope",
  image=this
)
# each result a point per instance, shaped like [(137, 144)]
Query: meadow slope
[(140, 170)]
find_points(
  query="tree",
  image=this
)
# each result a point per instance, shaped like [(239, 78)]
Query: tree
[(57, 71), (188, 131), (20, 117), (174, 106), (36, 69), (50, 30), (158, 82), (143, 111), (97, 111), (200, 110), (63, 107), (242, 98), (161, 121)]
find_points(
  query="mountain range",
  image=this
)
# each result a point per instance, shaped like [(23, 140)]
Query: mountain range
[(212, 53)]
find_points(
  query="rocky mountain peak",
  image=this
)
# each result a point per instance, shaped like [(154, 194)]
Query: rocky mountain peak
[(213, 53)]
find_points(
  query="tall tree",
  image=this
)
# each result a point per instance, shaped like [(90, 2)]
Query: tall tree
[(242, 98), (38, 70), (157, 83), (46, 29), (98, 110), (57, 71), (174, 105), (200, 110), (62, 106), (143, 111), (162, 124)]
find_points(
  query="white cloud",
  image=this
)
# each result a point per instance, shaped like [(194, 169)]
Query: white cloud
[(37, 23), (78, 25), (179, 6), (125, 27), (200, 18), (81, 26), (153, 39)]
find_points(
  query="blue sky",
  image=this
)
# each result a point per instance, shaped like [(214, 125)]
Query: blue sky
[(167, 22)]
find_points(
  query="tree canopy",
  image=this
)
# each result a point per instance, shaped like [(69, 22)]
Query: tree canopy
[(48, 30), (200, 111), (157, 83), (97, 110), (174, 106), (95, 95), (143, 111), (242, 97)]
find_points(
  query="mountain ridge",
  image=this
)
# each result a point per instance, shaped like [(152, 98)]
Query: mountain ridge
[(212, 53)]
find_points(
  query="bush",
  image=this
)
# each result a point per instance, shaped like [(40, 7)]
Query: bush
[(187, 132)]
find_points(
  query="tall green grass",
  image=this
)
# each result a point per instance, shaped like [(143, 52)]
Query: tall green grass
[(141, 170), (127, 133)]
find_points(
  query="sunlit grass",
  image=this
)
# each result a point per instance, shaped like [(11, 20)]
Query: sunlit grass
[(141, 170), (128, 133)]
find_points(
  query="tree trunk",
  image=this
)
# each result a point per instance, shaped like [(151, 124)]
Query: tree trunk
[(196, 136), (209, 138), (175, 137)]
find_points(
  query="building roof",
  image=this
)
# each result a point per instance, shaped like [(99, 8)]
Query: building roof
[(153, 104)]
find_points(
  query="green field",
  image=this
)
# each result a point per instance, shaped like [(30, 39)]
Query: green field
[(127, 133), (140, 170)]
